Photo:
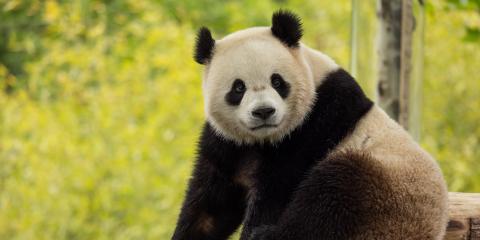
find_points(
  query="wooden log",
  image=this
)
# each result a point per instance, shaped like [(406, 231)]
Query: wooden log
[(464, 213)]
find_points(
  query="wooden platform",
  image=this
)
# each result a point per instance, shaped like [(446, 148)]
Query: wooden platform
[(464, 212)]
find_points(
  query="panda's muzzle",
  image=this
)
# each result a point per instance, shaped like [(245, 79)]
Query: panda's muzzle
[(263, 113), (263, 116), (263, 126)]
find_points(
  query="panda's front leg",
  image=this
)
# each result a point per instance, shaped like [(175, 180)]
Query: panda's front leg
[(213, 207), (331, 203), (264, 232)]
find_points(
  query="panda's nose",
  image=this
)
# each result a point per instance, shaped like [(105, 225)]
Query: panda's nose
[(263, 112)]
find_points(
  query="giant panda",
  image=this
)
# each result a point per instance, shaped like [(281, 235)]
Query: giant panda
[(292, 149)]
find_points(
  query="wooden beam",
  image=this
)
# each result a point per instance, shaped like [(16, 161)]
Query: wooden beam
[(464, 213)]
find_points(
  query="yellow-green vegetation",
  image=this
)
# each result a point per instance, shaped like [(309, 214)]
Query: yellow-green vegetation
[(101, 106)]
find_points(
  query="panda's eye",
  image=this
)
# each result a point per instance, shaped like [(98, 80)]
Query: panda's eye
[(235, 95), (277, 80), (280, 85), (276, 83), (239, 86)]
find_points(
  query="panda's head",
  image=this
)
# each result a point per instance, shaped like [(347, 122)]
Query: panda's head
[(258, 85)]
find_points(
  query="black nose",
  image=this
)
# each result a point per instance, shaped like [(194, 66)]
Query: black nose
[(263, 113)]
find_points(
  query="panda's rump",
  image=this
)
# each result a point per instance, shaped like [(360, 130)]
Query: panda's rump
[(402, 194), (360, 199)]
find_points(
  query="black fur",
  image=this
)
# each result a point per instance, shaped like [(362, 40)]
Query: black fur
[(211, 192), (264, 232), (204, 46), (287, 27), (335, 200), (283, 87), (235, 96), (278, 171)]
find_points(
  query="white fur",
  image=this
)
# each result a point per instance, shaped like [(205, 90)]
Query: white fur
[(252, 100), (253, 55)]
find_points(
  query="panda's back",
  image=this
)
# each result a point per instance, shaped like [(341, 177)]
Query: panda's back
[(412, 196)]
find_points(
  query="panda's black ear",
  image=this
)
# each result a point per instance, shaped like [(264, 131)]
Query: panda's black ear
[(287, 27), (204, 46)]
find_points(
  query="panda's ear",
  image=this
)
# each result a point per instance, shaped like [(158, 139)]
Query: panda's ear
[(287, 27), (204, 46)]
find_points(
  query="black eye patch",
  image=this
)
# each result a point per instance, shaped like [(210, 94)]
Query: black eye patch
[(234, 97), (280, 85)]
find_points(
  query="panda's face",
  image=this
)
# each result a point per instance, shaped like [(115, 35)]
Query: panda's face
[(256, 89)]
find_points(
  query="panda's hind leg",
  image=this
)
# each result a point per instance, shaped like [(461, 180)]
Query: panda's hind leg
[(342, 197)]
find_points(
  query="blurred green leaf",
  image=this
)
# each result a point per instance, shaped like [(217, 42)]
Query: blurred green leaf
[(472, 34)]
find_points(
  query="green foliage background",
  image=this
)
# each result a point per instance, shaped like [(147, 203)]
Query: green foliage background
[(101, 106)]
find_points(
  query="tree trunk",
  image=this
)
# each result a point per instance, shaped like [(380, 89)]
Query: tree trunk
[(389, 13), (394, 50)]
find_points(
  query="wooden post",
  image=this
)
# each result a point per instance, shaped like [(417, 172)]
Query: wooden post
[(389, 14), (464, 213), (405, 62), (394, 49)]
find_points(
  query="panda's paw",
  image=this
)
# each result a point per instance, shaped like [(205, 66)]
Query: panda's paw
[(265, 232)]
